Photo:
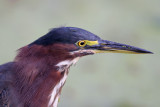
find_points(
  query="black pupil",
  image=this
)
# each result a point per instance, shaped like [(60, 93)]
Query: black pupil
[(82, 43)]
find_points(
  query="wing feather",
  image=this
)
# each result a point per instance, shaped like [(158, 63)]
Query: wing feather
[(5, 82)]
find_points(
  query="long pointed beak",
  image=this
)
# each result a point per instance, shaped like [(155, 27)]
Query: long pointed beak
[(105, 46)]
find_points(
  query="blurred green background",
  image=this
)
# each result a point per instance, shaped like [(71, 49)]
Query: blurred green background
[(102, 80)]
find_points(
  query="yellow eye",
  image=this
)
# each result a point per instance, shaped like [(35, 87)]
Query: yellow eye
[(81, 43)]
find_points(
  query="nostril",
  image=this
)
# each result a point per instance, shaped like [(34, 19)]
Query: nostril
[(103, 43)]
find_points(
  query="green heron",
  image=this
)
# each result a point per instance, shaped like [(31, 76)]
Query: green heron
[(37, 74)]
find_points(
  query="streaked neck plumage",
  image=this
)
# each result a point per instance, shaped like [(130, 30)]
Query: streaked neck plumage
[(63, 67), (40, 75)]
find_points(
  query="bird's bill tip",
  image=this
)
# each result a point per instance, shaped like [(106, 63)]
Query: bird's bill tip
[(113, 47), (122, 51)]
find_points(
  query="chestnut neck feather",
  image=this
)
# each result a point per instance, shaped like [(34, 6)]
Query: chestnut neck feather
[(36, 73)]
